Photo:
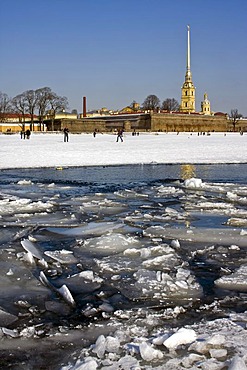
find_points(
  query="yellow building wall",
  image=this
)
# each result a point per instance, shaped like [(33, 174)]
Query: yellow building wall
[(8, 128)]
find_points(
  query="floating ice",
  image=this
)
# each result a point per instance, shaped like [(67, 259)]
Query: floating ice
[(28, 258), (82, 282), (10, 333), (89, 275), (23, 207), (168, 190), (223, 236), (25, 182), (237, 363), (148, 353), (87, 363), (235, 281), (182, 336), (93, 228), (63, 291), (103, 206), (100, 346), (237, 221), (111, 243), (63, 256), (162, 286), (30, 247), (193, 183)]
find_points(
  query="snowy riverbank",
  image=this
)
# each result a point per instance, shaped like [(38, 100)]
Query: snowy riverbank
[(49, 150)]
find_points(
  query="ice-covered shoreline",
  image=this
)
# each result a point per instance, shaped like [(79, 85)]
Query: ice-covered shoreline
[(49, 150)]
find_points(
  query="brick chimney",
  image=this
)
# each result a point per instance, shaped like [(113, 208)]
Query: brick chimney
[(84, 106)]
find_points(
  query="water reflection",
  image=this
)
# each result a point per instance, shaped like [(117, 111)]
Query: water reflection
[(187, 171)]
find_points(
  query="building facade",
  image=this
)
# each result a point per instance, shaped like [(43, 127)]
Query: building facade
[(205, 105)]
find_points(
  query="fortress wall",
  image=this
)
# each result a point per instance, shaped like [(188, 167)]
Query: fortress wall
[(165, 122), (89, 125), (187, 122), (83, 125)]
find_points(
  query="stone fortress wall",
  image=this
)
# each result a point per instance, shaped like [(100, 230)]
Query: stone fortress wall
[(188, 123), (155, 122)]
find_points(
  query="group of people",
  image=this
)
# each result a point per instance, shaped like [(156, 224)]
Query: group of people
[(119, 134), (25, 134)]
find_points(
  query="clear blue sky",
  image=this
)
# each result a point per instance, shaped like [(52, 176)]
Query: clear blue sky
[(117, 51)]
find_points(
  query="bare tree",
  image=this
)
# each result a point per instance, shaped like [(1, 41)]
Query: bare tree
[(57, 104), (234, 117), (170, 104), (31, 98), (19, 104), (40, 101), (5, 106), (151, 102), (43, 100)]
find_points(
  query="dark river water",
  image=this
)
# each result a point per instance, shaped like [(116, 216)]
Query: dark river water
[(121, 175), (98, 215)]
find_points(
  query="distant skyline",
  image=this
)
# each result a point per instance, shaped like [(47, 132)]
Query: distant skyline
[(117, 51)]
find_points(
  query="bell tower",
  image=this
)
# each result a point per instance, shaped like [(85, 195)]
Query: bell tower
[(205, 105), (188, 99)]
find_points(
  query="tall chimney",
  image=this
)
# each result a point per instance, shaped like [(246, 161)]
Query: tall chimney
[(84, 107)]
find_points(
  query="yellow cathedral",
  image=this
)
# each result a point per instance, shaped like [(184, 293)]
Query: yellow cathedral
[(188, 100)]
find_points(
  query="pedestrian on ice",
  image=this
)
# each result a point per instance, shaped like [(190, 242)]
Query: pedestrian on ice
[(28, 134), (65, 134), (23, 134), (120, 134)]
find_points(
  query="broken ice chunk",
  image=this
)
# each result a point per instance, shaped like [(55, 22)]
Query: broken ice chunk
[(30, 247)]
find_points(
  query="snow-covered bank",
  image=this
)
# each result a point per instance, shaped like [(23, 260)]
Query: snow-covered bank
[(49, 150)]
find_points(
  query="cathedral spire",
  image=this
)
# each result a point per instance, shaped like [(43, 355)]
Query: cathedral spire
[(188, 72), (188, 90)]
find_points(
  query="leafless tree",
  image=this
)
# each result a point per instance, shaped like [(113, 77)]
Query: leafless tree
[(43, 99), (57, 104), (151, 102), (19, 104), (5, 106), (31, 102), (170, 104), (234, 117)]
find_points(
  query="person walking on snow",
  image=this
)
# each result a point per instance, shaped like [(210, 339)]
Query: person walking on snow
[(120, 134), (66, 134)]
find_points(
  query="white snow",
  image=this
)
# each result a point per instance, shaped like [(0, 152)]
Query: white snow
[(49, 150)]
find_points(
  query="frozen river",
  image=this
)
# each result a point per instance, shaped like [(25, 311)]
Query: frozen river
[(102, 266)]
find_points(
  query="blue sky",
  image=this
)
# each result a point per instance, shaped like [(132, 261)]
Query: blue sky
[(117, 51)]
